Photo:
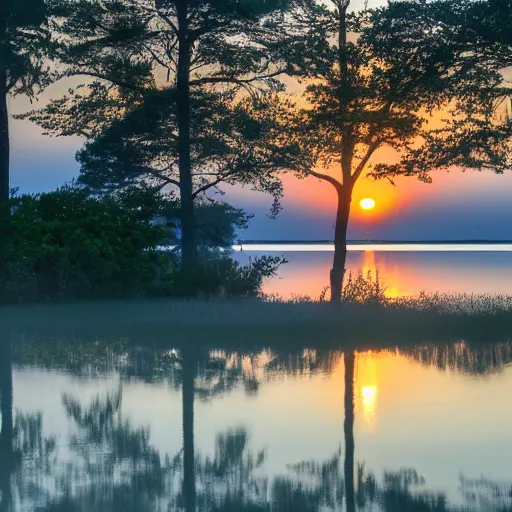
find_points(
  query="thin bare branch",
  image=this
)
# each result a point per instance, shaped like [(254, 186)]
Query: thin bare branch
[(232, 80), (333, 181)]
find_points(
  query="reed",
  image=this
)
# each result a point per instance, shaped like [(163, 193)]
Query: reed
[(365, 320)]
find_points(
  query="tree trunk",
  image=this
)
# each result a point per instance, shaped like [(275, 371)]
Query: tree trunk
[(188, 222), (4, 151), (347, 153), (6, 432), (349, 431), (189, 477), (340, 242)]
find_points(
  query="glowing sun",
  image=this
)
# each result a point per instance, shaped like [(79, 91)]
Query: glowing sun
[(367, 203)]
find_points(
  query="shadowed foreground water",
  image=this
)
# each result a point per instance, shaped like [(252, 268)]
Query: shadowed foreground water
[(94, 426)]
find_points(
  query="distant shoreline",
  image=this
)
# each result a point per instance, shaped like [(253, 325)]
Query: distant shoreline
[(376, 242)]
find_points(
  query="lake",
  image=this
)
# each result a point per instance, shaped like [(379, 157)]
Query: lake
[(404, 269), (109, 406), (117, 424)]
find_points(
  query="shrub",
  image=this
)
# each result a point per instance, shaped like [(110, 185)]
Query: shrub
[(67, 244), (361, 289), (218, 275)]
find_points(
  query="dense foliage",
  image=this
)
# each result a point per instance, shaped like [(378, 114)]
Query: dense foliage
[(469, 47), (67, 244)]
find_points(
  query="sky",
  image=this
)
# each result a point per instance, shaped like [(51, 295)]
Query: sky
[(456, 206)]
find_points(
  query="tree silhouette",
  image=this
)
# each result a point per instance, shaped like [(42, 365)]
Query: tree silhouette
[(23, 47), (163, 105), (368, 88), (7, 460)]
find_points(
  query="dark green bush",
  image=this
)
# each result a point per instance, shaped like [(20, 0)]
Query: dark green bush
[(218, 275), (67, 244)]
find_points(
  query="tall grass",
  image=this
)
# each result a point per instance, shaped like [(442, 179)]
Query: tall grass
[(366, 290), (367, 316)]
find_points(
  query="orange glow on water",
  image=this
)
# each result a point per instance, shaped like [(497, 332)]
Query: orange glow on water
[(400, 274)]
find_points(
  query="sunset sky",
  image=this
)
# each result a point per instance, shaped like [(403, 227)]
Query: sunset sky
[(456, 206)]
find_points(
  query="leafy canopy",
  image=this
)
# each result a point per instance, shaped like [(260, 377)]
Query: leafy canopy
[(388, 78), (24, 45), (469, 46), (127, 107), (66, 244)]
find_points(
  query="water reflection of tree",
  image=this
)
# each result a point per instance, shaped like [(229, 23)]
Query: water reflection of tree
[(326, 485), (402, 490), (232, 479), (26, 456), (37, 456), (486, 494), (189, 369), (323, 486), (82, 359), (348, 428), (7, 459), (229, 479), (462, 357), (113, 467)]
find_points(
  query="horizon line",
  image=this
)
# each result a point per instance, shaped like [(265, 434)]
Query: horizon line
[(356, 241)]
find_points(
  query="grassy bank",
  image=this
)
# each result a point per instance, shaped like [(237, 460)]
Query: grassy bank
[(426, 318)]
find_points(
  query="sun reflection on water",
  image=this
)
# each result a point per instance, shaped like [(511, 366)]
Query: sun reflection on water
[(369, 395), (367, 387)]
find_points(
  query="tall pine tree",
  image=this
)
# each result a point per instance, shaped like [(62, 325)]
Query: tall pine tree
[(167, 95)]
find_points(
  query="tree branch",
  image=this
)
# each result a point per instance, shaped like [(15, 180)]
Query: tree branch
[(207, 186), (157, 58), (359, 169), (156, 174), (214, 183), (333, 181), (94, 74), (232, 80), (169, 22)]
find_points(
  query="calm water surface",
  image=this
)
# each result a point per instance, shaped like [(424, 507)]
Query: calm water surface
[(89, 425), (404, 269)]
